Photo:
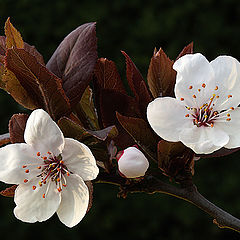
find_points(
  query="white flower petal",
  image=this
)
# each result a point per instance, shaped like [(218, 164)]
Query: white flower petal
[(43, 133), (227, 80), (167, 118), (232, 128), (31, 206), (79, 159), (133, 163), (204, 140), (194, 78), (74, 203), (12, 159)]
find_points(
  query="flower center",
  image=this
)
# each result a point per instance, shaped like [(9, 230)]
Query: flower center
[(52, 169), (205, 115)]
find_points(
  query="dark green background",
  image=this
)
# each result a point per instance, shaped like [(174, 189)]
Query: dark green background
[(136, 27)]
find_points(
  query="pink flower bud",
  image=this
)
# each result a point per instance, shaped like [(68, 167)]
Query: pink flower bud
[(132, 163)]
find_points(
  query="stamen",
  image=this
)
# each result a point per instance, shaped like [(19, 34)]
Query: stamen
[(216, 88), (229, 96), (27, 171), (43, 195), (34, 187), (187, 115), (182, 99), (199, 89), (38, 154), (228, 119), (190, 87), (228, 115), (25, 180), (203, 85), (194, 96), (232, 108), (24, 166)]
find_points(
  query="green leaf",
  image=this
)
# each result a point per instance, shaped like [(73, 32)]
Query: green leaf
[(86, 111)]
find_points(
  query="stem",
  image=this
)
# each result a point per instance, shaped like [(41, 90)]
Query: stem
[(190, 194)]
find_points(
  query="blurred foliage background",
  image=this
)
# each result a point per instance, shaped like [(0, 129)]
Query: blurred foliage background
[(137, 27)]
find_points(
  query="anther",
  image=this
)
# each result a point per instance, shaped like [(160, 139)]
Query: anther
[(38, 154), (44, 158), (190, 87), (194, 96), (27, 171), (217, 96), (43, 195), (203, 85), (211, 124), (181, 99), (24, 166), (49, 153), (61, 161), (216, 88), (40, 183), (228, 119), (34, 187), (199, 89), (25, 180), (64, 185), (232, 108), (58, 179), (228, 115), (59, 189), (58, 169), (39, 167), (229, 96), (68, 174), (187, 115)]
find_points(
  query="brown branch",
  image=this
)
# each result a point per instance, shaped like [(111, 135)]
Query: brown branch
[(190, 194)]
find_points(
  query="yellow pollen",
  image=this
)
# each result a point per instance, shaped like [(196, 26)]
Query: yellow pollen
[(38, 154), (188, 108), (228, 119), (216, 88), (181, 99), (190, 87), (228, 114), (187, 115), (194, 96), (25, 180), (40, 183), (214, 95), (203, 85), (229, 96), (61, 161), (27, 171), (205, 116), (43, 195), (34, 187)]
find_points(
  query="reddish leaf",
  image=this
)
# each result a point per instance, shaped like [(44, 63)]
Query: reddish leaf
[(140, 131), (134, 77), (187, 50), (175, 159), (9, 192), (17, 126), (111, 102), (161, 76), (74, 61), (44, 88), (2, 45), (107, 75), (219, 153), (13, 37), (4, 139)]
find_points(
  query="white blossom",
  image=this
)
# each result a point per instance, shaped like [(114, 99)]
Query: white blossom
[(50, 171), (204, 115), (132, 163)]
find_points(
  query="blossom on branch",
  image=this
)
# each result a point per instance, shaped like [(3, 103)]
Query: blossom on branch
[(132, 163), (50, 171), (204, 115)]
